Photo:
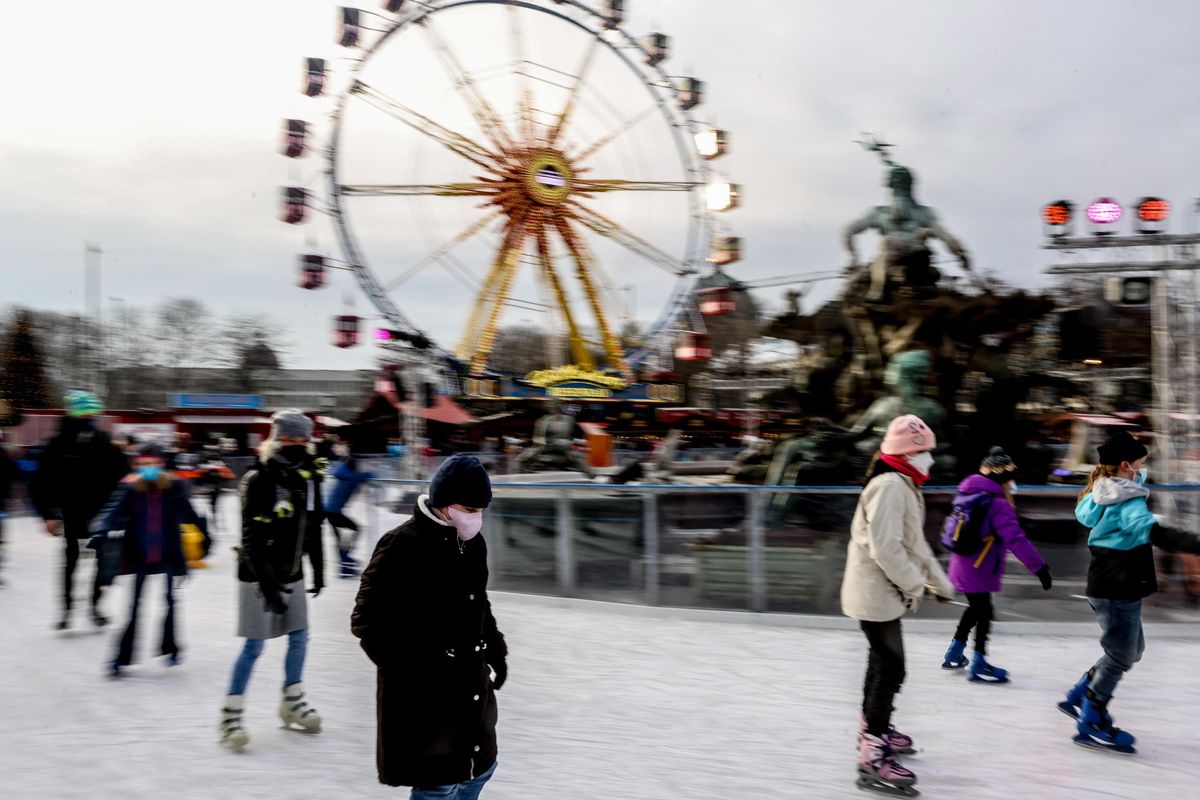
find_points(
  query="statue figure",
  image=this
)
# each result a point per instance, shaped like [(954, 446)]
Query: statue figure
[(905, 378), (553, 447), (905, 226)]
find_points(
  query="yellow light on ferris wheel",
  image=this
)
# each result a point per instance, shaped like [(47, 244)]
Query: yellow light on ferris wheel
[(712, 143), (722, 196)]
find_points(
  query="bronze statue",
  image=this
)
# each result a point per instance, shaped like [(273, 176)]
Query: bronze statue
[(553, 447)]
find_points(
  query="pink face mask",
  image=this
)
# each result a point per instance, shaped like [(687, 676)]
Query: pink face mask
[(467, 523)]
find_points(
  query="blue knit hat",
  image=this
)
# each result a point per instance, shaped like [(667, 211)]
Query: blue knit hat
[(462, 480), (82, 404)]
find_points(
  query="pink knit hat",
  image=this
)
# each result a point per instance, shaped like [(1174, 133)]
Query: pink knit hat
[(907, 436)]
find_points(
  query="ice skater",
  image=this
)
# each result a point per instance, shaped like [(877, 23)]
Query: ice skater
[(980, 532), (75, 478), (889, 567), (1123, 536), (281, 522), (149, 511), (424, 619), (349, 479)]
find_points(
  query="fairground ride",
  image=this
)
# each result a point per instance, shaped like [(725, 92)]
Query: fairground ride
[(542, 150)]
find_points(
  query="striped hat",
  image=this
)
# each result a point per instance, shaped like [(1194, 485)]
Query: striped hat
[(82, 404)]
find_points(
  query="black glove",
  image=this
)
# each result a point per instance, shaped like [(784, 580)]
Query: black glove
[(273, 599), (1043, 575), (501, 670)]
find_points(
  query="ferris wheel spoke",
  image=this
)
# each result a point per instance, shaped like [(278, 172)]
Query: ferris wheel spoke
[(493, 294), (524, 91), (453, 141), (591, 186), (477, 189), (573, 98), (631, 241), (583, 268), (443, 250), (477, 104), (612, 135), (579, 352)]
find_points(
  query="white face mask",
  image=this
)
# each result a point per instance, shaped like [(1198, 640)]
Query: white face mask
[(467, 523), (1141, 476), (1013, 489), (923, 462)]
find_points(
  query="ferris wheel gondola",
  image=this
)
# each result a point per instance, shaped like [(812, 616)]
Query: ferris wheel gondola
[(528, 178)]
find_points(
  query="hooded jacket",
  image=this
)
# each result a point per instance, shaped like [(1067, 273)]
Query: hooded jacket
[(984, 571), (424, 619), (77, 473), (1123, 535), (889, 563), (282, 516)]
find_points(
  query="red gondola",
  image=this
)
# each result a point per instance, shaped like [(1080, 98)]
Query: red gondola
[(295, 205), (345, 330), (613, 13), (312, 271), (314, 78), (693, 347), (717, 301), (349, 29), (393, 6), (726, 251), (295, 135)]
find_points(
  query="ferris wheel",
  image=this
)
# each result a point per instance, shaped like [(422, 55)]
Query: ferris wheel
[(486, 156)]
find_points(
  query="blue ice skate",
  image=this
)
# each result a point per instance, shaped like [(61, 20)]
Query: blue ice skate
[(1096, 730), (1074, 700), (955, 658), (983, 672)]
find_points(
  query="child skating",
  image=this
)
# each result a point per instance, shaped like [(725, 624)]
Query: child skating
[(1123, 536), (889, 567), (979, 534)]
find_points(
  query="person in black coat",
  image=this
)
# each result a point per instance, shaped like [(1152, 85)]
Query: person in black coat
[(149, 512), (8, 476), (423, 617), (76, 475)]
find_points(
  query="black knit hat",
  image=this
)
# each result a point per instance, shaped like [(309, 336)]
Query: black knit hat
[(997, 462), (462, 480), (1121, 447), (150, 449)]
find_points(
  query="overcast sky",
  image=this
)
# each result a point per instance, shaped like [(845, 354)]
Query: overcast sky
[(153, 128)]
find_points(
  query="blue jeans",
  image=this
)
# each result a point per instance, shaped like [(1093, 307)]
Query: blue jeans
[(293, 664), (1122, 639), (455, 791)]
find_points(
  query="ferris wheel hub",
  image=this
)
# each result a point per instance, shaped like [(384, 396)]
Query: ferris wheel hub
[(547, 176)]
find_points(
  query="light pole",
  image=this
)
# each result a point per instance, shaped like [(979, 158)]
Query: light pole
[(91, 300)]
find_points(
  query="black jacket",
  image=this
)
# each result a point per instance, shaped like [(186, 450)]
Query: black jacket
[(128, 512), (282, 515), (423, 617), (77, 473), (8, 476), (1130, 574)]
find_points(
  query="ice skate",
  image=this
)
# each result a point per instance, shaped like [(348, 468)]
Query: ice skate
[(901, 743), (1071, 706), (348, 566), (878, 770), (294, 710), (1096, 730), (64, 623), (955, 658), (232, 732), (98, 619), (983, 672)]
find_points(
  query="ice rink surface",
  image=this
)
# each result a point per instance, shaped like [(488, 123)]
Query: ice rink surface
[(602, 703)]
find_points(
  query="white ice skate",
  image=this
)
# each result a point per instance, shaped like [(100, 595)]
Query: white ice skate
[(232, 732), (294, 710)]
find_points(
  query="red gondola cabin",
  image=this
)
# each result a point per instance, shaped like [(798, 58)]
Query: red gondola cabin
[(349, 29), (693, 347), (345, 330), (717, 301), (314, 78), (393, 6), (295, 205), (312, 272), (295, 134)]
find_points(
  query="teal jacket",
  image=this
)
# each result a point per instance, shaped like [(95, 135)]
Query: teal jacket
[(1123, 536)]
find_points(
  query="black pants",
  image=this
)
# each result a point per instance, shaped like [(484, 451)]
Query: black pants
[(340, 522), (885, 673), (168, 647), (978, 615), (72, 529)]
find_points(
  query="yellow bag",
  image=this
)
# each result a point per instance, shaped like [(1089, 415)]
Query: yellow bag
[(193, 545)]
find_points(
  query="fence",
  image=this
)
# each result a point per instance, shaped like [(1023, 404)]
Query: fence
[(774, 548)]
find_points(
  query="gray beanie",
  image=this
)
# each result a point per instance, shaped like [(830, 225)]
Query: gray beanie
[(291, 422)]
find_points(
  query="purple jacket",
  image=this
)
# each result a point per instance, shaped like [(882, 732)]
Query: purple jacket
[(1002, 522)]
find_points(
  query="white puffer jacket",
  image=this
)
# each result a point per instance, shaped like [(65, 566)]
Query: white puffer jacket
[(890, 564)]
